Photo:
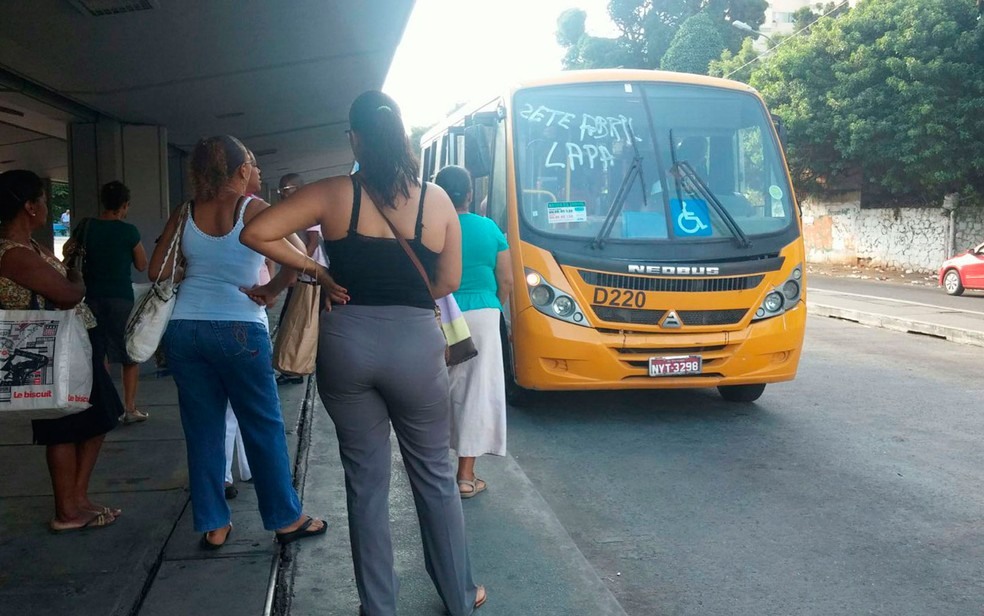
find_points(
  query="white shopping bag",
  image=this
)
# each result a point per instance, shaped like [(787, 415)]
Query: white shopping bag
[(45, 361), (140, 289)]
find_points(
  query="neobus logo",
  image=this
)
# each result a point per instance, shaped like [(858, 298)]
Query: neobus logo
[(678, 270)]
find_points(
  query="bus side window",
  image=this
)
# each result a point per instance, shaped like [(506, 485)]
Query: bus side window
[(496, 209), (428, 163)]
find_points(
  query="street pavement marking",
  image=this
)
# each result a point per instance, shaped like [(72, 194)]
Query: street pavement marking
[(892, 299)]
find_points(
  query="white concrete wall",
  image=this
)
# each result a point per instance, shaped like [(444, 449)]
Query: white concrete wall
[(901, 238)]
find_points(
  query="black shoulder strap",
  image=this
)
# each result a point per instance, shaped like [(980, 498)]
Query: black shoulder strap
[(419, 227), (407, 249), (356, 204)]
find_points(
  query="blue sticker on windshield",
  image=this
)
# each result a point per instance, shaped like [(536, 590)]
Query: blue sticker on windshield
[(690, 218)]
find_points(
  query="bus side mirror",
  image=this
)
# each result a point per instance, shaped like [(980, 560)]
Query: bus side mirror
[(478, 154), (780, 129)]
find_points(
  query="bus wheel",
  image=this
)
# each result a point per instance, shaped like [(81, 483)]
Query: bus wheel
[(741, 393), (515, 395)]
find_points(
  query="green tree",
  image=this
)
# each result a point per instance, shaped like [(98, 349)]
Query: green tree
[(737, 66), (804, 17), (60, 200), (647, 28), (695, 44), (585, 51), (894, 88)]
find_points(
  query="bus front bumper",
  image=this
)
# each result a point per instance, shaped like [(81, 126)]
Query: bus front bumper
[(571, 357)]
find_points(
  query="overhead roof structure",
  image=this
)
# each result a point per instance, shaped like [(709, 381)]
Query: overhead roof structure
[(278, 74)]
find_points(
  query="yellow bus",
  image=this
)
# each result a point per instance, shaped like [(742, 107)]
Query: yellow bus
[(655, 238)]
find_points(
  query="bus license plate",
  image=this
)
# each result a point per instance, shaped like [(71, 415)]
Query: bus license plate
[(680, 365)]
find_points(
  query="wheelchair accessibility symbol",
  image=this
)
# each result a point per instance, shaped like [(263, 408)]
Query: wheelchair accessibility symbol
[(690, 218)]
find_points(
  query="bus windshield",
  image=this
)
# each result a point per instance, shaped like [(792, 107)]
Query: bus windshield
[(630, 162)]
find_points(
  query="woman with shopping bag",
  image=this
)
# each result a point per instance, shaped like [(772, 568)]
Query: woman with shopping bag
[(31, 277)]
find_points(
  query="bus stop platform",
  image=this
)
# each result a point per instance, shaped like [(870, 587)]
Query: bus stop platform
[(148, 562)]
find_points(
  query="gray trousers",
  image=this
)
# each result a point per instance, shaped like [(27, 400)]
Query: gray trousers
[(379, 365)]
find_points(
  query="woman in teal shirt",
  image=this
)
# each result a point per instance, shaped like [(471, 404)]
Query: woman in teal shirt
[(478, 396)]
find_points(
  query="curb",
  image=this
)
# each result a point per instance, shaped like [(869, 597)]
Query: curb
[(280, 586), (909, 326)]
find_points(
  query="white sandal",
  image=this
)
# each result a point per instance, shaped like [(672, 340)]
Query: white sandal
[(135, 416), (473, 484)]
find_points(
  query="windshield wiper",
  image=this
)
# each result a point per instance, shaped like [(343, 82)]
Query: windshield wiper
[(634, 170), (693, 184)]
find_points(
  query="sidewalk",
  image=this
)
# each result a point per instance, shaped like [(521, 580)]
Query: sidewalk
[(148, 562)]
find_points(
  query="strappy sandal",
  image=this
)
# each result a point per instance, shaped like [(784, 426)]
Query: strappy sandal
[(111, 511), (474, 485), (135, 416), (302, 532), (98, 520)]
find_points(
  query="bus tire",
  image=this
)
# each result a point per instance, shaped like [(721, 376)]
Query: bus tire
[(741, 393), (515, 395)]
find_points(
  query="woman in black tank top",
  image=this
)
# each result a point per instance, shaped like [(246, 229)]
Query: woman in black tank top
[(380, 351), (376, 270)]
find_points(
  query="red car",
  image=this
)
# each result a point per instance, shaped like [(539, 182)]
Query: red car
[(964, 271)]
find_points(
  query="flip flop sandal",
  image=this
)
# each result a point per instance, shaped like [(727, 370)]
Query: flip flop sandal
[(99, 520), (205, 544), (476, 489), (302, 532), (480, 601)]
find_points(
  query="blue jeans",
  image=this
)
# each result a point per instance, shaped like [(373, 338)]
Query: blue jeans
[(215, 361)]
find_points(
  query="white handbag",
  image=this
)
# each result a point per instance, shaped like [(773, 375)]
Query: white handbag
[(45, 361), (149, 317)]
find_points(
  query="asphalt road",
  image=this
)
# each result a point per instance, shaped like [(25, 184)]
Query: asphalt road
[(920, 293), (855, 489)]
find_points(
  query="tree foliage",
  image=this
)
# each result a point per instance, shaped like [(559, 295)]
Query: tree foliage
[(694, 46), (804, 17), (647, 29), (737, 66), (894, 88)]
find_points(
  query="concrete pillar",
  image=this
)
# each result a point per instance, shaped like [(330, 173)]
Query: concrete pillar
[(136, 155)]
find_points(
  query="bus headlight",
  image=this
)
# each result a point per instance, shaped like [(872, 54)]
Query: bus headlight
[(563, 306), (553, 302), (791, 289), (782, 298), (773, 302), (541, 295)]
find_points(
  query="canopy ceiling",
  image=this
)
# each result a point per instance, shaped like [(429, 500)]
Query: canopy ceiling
[(278, 74)]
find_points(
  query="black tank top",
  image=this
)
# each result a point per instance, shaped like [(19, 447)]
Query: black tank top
[(375, 270)]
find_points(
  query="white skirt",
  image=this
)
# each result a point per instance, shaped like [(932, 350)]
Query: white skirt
[(478, 391)]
